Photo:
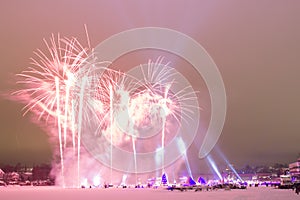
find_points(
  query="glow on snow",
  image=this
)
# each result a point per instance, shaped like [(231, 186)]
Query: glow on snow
[(67, 88)]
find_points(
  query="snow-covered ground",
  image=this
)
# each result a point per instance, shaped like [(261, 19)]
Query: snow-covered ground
[(55, 193)]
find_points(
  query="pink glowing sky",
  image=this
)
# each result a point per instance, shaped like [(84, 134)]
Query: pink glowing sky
[(255, 44)]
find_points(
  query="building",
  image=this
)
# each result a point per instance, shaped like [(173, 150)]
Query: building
[(295, 170), (1, 174)]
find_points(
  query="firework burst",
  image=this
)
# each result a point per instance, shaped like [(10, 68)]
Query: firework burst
[(68, 88)]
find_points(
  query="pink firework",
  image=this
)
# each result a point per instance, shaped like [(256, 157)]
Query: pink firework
[(49, 84), (67, 88)]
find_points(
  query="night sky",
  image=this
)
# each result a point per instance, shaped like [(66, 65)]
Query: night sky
[(255, 44)]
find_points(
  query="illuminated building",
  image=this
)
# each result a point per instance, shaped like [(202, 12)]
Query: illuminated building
[(295, 170)]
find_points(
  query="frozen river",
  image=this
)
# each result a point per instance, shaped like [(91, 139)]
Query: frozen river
[(55, 193)]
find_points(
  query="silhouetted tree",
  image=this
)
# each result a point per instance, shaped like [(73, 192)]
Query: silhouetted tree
[(248, 169), (41, 172), (8, 168), (18, 167)]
